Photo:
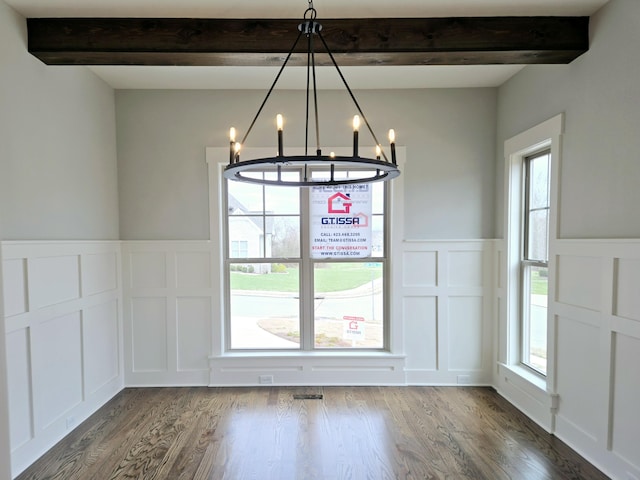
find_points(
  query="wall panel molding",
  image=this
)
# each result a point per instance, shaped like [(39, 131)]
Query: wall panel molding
[(596, 314), (64, 338), (607, 384), (446, 296), (168, 298)]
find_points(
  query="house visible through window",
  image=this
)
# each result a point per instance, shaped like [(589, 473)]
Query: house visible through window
[(535, 260), (279, 294)]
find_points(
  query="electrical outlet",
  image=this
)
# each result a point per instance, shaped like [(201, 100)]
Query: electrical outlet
[(463, 379), (265, 379)]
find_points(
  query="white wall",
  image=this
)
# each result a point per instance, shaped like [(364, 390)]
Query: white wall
[(57, 146), (162, 136), (594, 308)]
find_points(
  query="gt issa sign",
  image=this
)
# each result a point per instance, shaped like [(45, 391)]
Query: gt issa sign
[(353, 328), (340, 221)]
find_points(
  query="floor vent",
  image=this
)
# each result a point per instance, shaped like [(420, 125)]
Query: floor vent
[(307, 396)]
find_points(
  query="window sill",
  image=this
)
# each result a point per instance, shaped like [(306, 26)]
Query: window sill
[(309, 354), (527, 375), (307, 368)]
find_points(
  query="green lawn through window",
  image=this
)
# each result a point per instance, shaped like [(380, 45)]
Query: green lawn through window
[(539, 283), (329, 277)]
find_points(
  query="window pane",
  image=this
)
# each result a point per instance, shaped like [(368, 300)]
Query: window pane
[(244, 198), (249, 230), (539, 182), (348, 305), (378, 197), (285, 238), (537, 242), (535, 324), (377, 236), (282, 200), (264, 306)]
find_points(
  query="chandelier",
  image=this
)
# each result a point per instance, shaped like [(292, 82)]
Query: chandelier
[(359, 169)]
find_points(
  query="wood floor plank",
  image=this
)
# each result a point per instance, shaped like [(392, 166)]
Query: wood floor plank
[(350, 433)]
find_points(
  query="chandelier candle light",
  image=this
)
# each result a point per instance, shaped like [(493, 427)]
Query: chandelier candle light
[(368, 169)]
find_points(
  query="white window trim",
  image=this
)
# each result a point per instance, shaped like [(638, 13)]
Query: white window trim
[(217, 159), (547, 135)]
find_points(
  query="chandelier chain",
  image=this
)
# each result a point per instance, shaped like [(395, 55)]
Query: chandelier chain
[(311, 75)]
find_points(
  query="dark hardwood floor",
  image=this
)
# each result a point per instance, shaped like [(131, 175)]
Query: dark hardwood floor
[(351, 433)]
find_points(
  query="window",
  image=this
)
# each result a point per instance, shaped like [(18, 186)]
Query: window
[(535, 260), (281, 293), (526, 284)]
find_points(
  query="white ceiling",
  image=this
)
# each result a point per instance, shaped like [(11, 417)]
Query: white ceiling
[(124, 77)]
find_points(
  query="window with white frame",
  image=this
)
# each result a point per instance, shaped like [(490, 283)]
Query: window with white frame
[(526, 322), (535, 260), (281, 295)]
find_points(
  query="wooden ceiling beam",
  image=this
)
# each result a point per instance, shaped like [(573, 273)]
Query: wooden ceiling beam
[(355, 41)]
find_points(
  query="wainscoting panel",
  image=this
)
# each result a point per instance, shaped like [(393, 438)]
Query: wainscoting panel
[(99, 333), (420, 316), (579, 281), (466, 268), (168, 314), (57, 347), (54, 280), (194, 332), (15, 293), (100, 272), (193, 270), (64, 338), (149, 335), (625, 421), (627, 291), (466, 334), (447, 311), (20, 393), (594, 389), (420, 268), (577, 341)]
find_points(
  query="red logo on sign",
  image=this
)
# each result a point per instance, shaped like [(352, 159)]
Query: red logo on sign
[(339, 203)]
